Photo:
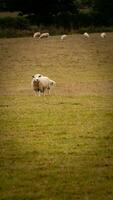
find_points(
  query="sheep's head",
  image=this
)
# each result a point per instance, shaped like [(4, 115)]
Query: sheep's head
[(52, 82), (37, 76), (35, 83)]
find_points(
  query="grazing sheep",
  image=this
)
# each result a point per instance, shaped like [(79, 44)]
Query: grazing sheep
[(44, 35), (86, 35), (41, 84), (63, 37), (103, 35), (37, 34)]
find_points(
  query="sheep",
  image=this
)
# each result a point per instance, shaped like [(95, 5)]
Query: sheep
[(41, 84), (103, 35), (44, 35), (86, 35), (37, 34), (63, 37)]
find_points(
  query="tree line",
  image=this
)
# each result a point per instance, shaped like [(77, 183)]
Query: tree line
[(67, 13)]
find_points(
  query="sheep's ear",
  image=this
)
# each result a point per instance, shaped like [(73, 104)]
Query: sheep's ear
[(33, 76), (54, 83)]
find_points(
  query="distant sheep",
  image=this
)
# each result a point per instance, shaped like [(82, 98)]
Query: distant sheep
[(63, 36), (86, 35), (41, 83), (103, 35), (37, 34), (44, 35)]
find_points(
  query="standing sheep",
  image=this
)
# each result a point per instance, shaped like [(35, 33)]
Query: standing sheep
[(37, 34), (44, 35), (41, 84)]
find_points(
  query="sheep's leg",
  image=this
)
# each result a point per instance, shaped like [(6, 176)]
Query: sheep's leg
[(39, 93), (48, 91), (42, 91), (35, 92)]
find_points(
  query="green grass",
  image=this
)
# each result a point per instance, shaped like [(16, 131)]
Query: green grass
[(57, 147)]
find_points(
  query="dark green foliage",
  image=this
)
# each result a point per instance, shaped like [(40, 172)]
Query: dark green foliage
[(68, 14), (43, 7), (104, 11), (11, 22), (105, 7)]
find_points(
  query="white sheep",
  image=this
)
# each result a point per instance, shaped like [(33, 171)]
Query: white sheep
[(86, 35), (37, 34), (103, 35), (63, 37), (41, 84), (44, 35)]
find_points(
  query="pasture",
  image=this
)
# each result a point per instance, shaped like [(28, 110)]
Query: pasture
[(57, 147)]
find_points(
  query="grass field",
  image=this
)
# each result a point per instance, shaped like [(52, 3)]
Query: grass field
[(57, 147)]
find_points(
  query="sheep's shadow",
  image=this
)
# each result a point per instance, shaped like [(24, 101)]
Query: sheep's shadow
[(64, 103), (73, 103)]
